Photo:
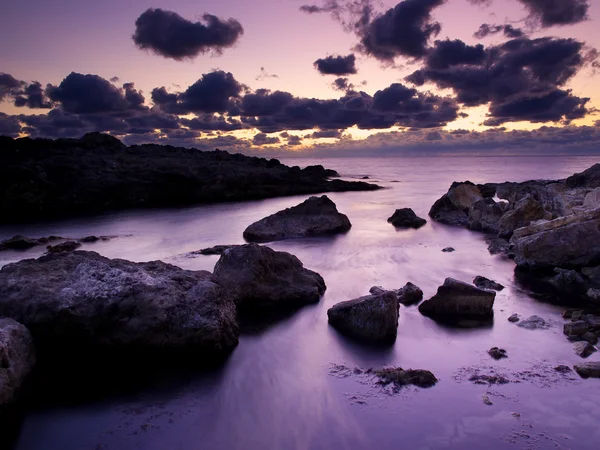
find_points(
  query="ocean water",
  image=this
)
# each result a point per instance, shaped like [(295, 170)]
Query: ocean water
[(288, 386)]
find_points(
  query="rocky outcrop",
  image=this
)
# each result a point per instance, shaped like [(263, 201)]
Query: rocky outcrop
[(452, 208), (406, 218), (42, 179), (373, 318), (525, 211), (23, 243), (569, 242), (17, 357), (486, 283), (455, 299), (82, 298), (259, 279), (588, 370), (68, 246), (216, 250), (485, 214), (410, 294), (313, 217), (589, 178)]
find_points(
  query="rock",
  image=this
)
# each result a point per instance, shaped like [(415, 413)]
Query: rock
[(563, 369), (568, 282), (525, 211), (406, 218), (583, 349), (410, 294), (259, 279), (588, 370), (486, 400), (592, 199), (574, 338), (92, 175), (533, 323), (497, 353), (485, 283), (81, 298), (593, 295), (559, 242), (453, 207), (578, 328), (378, 290), (364, 178), (457, 299), (313, 217), (496, 245), (372, 318), (17, 357), (484, 215), (400, 377), (464, 195), (592, 273), (216, 250), (68, 246), (590, 337), (18, 243), (589, 178), (489, 379), (514, 318), (448, 250)]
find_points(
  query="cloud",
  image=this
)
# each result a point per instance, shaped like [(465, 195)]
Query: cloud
[(342, 84), (508, 30), (521, 79), (329, 6), (265, 75), (262, 139), (321, 134), (9, 125), (336, 65), (557, 12), (21, 93), (9, 85), (211, 122), (168, 34)]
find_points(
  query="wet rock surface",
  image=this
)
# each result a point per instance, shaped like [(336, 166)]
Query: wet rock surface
[(17, 358), (409, 295), (373, 318), (107, 175), (533, 323), (68, 246), (588, 370), (216, 250), (485, 283), (406, 218), (497, 353), (456, 299), (400, 377), (313, 217), (583, 349)]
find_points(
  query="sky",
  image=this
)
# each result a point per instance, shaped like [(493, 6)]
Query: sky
[(323, 76)]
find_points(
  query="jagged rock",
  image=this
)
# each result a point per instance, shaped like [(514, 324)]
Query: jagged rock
[(578, 328), (313, 217), (583, 349), (400, 377), (485, 283), (68, 246), (567, 242), (452, 208), (485, 214), (455, 299), (17, 357), (589, 178), (372, 318), (463, 195), (588, 370), (258, 279), (497, 353), (82, 298), (524, 212), (406, 218), (533, 323), (514, 318)]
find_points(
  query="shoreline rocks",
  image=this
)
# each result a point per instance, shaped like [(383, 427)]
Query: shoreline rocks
[(315, 216), (406, 218), (588, 370), (456, 299), (485, 283), (372, 318), (17, 358)]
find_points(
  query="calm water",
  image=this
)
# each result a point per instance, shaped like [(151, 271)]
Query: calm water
[(280, 389)]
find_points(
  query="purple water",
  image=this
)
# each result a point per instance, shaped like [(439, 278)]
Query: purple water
[(282, 389)]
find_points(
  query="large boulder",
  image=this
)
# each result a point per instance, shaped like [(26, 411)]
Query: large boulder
[(259, 279), (525, 211), (84, 298), (17, 358), (453, 207), (485, 214), (570, 242), (372, 318), (456, 299), (313, 217), (406, 218)]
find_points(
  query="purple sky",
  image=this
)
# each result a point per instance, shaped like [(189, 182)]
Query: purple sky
[(45, 41)]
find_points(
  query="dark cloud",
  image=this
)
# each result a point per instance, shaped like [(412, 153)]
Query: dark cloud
[(168, 34), (9, 125), (453, 53), (263, 139), (211, 122), (320, 134), (404, 30), (32, 96), (508, 31), (557, 12), (210, 94), (263, 103), (521, 79), (294, 140), (342, 84), (9, 86), (329, 6), (336, 65)]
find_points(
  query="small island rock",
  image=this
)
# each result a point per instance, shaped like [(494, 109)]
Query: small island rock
[(406, 218)]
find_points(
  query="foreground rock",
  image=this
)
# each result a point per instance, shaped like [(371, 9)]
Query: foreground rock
[(107, 175), (409, 295), (406, 218), (400, 377), (485, 283), (258, 279), (455, 299), (77, 298), (588, 370), (17, 357), (373, 318), (313, 217)]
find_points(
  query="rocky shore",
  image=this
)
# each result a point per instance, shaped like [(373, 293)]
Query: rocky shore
[(43, 179)]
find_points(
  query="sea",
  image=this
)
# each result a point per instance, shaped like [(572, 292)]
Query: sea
[(293, 385)]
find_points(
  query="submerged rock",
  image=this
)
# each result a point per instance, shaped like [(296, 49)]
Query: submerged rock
[(489, 379), (514, 318), (77, 298), (406, 218), (372, 318), (313, 217), (533, 323), (448, 250), (410, 294), (485, 283), (216, 250), (583, 349), (400, 377), (456, 299), (19, 242), (17, 357), (497, 353), (563, 369), (588, 370), (257, 278), (68, 246)]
